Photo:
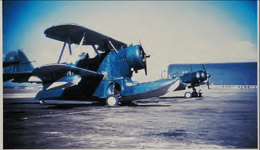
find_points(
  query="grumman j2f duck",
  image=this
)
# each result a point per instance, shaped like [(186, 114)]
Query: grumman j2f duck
[(105, 77)]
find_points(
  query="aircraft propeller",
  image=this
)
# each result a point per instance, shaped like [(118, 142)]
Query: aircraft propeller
[(207, 75), (144, 57)]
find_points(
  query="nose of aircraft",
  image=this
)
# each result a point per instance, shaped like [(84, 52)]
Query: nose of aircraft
[(208, 75)]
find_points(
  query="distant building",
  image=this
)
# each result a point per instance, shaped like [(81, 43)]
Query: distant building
[(229, 87)]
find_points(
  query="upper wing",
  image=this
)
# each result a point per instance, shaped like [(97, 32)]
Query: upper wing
[(75, 34)]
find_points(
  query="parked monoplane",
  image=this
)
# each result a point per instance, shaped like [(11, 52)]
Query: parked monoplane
[(191, 80), (105, 77)]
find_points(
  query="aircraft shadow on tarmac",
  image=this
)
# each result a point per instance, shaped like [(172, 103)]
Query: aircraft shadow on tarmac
[(65, 105), (13, 103), (172, 97), (157, 105), (69, 106), (181, 97)]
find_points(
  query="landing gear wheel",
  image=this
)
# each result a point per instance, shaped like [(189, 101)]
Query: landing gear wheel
[(112, 100), (187, 95)]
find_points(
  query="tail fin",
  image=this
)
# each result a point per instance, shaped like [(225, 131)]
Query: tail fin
[(16, 61)]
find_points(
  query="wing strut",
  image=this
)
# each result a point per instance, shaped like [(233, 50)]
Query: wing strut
[(112, 46), (69, 45), (82, 40), (96, 50), (62, 51)]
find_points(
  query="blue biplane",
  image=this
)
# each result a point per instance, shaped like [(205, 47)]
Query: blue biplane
[(105, 77)]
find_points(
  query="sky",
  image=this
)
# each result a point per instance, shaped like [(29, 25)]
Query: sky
[(172, 32)]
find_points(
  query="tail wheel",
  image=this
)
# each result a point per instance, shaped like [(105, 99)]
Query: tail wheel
[(187, 95), (112, 100)]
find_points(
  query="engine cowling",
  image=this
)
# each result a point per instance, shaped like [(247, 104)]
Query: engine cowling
[(132, 58), (135, 57), (195, 77)]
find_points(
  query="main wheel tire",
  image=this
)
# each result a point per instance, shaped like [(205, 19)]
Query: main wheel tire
[(187, 95), (112, 100)]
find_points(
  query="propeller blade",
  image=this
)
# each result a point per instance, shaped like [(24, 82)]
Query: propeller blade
[(144, 56), (145, 63), (145, 69), (205, 71), (207, 75), (140, 45), (203, 67)]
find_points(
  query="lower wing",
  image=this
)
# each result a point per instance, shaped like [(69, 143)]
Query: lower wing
[(50, 73)]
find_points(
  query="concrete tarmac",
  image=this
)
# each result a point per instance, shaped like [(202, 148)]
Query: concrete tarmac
[(223, 119)]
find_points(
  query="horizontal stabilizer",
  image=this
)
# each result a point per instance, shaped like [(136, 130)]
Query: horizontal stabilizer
[(17, 77), (6, 64)]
